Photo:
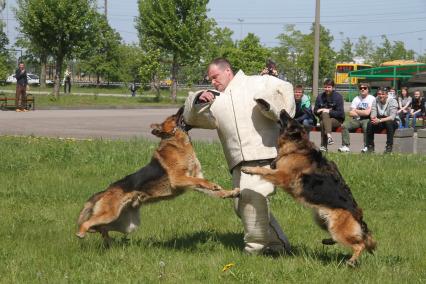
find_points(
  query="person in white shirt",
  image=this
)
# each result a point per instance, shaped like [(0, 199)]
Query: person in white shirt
[(360, 114)]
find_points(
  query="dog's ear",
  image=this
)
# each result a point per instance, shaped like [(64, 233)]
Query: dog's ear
[(284, 118), (156, 129)]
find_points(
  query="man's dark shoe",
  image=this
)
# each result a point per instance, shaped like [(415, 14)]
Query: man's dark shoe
[(328, 242), (388, 149)]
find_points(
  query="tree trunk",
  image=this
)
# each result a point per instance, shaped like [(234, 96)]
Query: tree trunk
[(58, 70), (175, 69), (43, 63), (155, 85), (98, 80)]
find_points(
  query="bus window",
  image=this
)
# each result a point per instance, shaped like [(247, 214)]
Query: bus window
[(344, 69)]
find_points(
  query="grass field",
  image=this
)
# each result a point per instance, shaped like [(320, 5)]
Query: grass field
[(44, 183)]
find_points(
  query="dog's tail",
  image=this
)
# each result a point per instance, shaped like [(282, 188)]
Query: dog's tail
[(370, 243)]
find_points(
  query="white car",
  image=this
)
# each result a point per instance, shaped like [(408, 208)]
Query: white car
[(32, 79)]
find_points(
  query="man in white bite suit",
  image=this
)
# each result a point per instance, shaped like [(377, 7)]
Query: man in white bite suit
[(245, 111)]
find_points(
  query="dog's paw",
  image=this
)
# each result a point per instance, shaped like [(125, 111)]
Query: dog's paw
[(246, 170), (216, 187), (351, 263), (232, 193), (80, 235)]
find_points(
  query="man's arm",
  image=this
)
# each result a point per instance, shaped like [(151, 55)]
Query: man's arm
[(276, 96), (197, 113)]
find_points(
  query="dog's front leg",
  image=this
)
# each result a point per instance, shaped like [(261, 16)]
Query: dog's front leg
[(187, 181), (277, 177)]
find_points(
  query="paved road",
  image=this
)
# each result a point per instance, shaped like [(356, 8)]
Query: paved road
[(118, 124)]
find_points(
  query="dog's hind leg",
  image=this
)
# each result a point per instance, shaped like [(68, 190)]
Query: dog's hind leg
[(107, 239), (356, 252)]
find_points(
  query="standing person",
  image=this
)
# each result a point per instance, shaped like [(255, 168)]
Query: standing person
[(21, 88), (360, 114), (304, 114), (404, 108), (417, 107), (383, 115), (244, 110), (330, 111), (132, 89), (67, 81)]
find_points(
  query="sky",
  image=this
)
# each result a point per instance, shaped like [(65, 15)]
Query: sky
[(399, 20)]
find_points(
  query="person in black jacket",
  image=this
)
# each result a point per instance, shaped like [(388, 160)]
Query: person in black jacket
[(330, 111), (21, 88)]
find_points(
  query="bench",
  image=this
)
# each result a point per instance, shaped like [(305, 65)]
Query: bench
[(9, 102), (339, 130)]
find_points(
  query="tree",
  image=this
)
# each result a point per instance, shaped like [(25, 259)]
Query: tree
[(56, 27), (388, 52), (178, 27), (297, 50), (364, 48), (345, 53), (249, 56), (100, 56), (4, 64)]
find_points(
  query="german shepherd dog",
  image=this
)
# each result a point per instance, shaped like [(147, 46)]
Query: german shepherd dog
[(302, 171), (173, 168)]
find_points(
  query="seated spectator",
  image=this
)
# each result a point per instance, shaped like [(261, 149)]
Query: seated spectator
[(417, 107), (304, 114), (383, 114), (330, 111), (404, 108), (360, 114), (392, 93)]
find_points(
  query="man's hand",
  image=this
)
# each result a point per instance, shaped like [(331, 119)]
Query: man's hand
[(375, 120), (206, 97), (326, 110)]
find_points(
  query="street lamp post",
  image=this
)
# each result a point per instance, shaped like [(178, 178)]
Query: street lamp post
[(241, 27), (316, 50)]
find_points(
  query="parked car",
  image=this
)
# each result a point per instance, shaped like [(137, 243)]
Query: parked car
[(32, 79)]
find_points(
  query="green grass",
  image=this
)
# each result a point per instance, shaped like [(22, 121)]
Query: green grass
[(44, 183)]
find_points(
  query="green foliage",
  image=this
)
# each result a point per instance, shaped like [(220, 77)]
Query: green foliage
[(56, 27), (130, 62), (345, 54), (249, 55), (45, 182), (5, 65), (177, 27), (295, 54), (101, 55), (388, 51)]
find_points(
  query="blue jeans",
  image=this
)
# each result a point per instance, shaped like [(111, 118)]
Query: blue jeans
[(416, 115), (405, 119)]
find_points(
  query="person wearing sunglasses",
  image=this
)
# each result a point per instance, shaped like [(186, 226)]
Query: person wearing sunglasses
[(360, 114)]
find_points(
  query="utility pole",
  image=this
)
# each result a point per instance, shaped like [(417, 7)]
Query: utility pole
[(316, 50), (106, 8)]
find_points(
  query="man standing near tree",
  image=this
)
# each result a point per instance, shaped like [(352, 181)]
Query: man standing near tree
[(21, 88)]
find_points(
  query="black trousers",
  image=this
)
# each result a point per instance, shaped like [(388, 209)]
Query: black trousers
[(390, 127)]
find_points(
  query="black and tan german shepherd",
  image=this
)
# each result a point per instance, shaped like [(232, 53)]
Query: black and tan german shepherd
[(302, 171), (174, 168)]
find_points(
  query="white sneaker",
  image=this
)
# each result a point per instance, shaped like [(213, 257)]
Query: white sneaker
[(323, 149), (344, 149), (364, 150)]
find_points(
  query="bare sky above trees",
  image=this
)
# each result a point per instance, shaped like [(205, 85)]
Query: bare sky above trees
[(398, 20)]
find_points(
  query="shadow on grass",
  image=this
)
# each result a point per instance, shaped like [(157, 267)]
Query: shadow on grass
[(194, 240)]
